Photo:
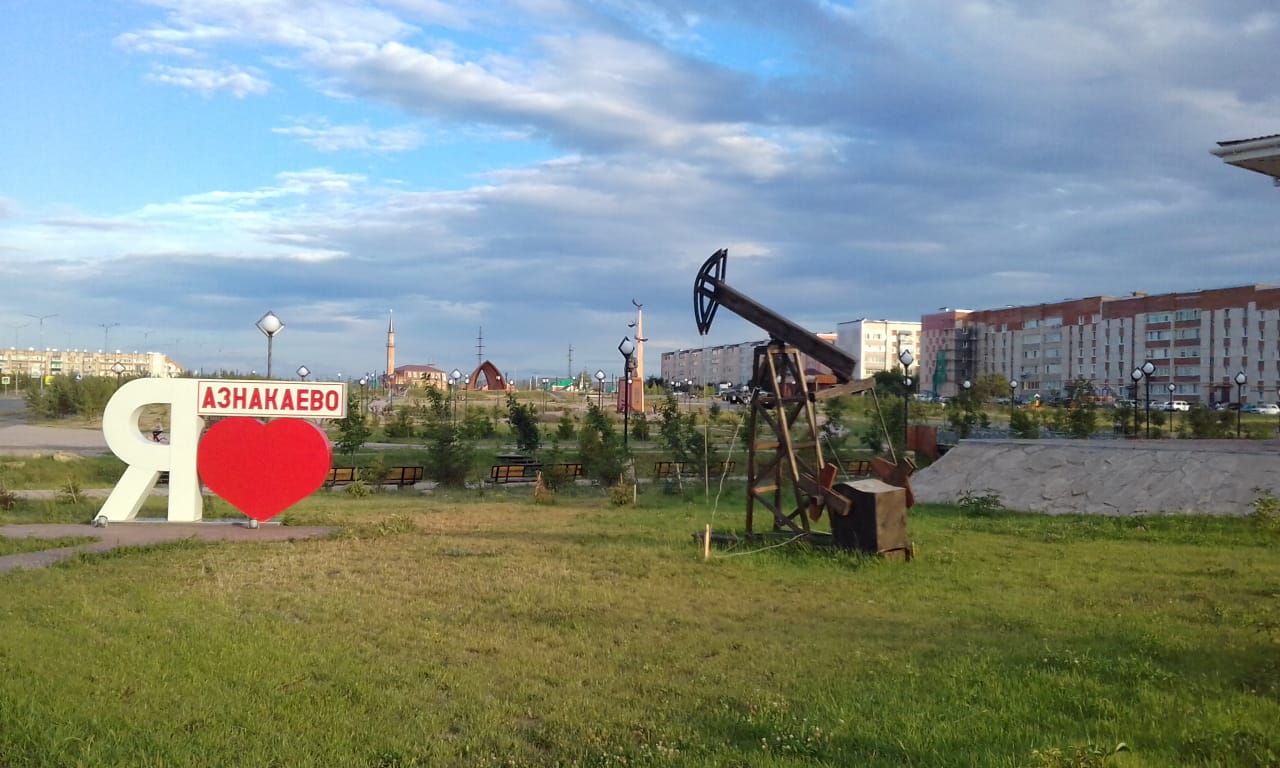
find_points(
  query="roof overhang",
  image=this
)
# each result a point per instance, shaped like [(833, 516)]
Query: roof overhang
[(1261, 155)]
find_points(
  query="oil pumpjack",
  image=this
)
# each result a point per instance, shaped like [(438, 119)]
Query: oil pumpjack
[(785, 451)]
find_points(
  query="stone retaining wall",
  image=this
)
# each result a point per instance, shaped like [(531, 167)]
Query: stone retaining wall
[(1216, 477)]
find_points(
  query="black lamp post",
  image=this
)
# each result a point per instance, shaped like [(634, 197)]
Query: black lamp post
[(1240, 380), (627, 348), (906, 359), (1137, 375), (600, 389), (303, 372), (270, 325), (119, 369), (364, 381), (1147, 369), (1173, 412), (1013, 401)]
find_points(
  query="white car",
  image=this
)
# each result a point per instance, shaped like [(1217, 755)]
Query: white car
[(1175, 405), (1270, 409)]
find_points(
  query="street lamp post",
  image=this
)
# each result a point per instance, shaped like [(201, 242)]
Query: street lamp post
[(364, 380), (906, 359), (600, 389), (119, 369), (454, 377), (1147, 369), (1173, 412), (1240, 381), (1013, 401), (627, 348), (1137, 375), (303, 372), (270, 325)]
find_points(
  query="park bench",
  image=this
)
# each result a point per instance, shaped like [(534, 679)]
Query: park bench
[(858, 468), (567, 471), (398, 476), (402, 476), (514, 473), (667, 470), (340, 475)]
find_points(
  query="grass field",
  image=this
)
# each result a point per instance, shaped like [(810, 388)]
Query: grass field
[(487, 630)]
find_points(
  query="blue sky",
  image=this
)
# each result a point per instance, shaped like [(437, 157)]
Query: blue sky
[(179, 167)]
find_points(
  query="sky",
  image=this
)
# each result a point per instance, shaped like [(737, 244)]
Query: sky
[(170, 170)]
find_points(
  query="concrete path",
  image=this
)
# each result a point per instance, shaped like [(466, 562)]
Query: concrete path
[(26, 439), (1107, 477), (142, 533)]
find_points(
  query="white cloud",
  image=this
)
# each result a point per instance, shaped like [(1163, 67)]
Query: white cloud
[(322, 135), (233, 80)]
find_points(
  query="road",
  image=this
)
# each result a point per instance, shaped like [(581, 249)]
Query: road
[(19, 437)]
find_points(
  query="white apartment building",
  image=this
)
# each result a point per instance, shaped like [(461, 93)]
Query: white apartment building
[(71, 362), (876, 344)]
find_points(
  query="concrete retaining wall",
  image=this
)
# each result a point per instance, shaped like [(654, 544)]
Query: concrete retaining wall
[(1216, 477)]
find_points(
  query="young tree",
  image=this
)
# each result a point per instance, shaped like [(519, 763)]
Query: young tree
[(566, 429), (353, 429), (525, 423), (599, 448)]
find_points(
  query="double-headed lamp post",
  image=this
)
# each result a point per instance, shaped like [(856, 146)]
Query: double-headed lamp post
[(627, 348), (1240, 382), (1148, 368), (270, 325), (1137, 375), (906, 359), (600, 389)]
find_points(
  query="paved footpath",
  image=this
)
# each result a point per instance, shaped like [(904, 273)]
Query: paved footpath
[(142, 533)]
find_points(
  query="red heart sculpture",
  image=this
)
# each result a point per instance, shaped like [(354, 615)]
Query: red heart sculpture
[(263, 469)]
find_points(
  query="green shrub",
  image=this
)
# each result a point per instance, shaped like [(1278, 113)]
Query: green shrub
[(70, 492), (1266, 510), (976, 504), (357, 489)]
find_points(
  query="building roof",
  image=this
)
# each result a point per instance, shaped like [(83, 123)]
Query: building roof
[(1260, 154), (417, 369)]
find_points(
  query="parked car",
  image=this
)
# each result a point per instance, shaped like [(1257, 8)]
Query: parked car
[(1250, 408), (1175, 405), (1270, 409)]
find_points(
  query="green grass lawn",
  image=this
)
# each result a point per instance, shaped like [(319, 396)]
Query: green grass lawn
[(465, 629)]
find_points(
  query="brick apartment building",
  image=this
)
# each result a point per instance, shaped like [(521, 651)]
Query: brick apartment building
[(1196, 340)]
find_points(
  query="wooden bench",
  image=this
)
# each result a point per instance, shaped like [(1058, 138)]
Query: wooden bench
[(567, 471), (861, 467), (398, 476), (339, 475), (402, 476), (514, 473), (666, 470)]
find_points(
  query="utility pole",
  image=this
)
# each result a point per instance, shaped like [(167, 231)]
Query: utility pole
[(106, 331), (569, 375)]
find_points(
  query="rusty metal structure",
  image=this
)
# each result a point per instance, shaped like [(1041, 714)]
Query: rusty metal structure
[(787, 473)]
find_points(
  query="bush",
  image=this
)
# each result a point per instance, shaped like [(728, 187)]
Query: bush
[(1024, 424), (8, 499), (599, 448), (1266, 510), (70, 492), (622, 494), (357, 489), (524, 422), (976, 504)]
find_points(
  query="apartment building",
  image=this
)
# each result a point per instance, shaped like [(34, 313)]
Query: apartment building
[(1197, 341), (876, 344), (83, 362), (725, 364)]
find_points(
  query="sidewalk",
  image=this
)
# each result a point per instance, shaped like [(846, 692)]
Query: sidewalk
[(142, 533)]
